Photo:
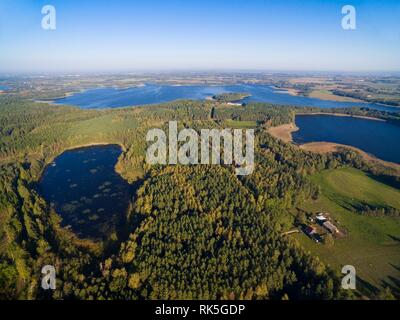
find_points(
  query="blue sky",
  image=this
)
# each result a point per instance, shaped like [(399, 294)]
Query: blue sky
[(199, 35)]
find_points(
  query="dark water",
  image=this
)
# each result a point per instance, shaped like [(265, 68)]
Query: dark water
[(379, 138), (85, 190), (153, 94)]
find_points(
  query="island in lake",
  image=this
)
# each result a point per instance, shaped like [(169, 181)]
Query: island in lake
[(228, 97)]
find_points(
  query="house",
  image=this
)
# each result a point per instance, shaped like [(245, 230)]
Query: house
[(309, 230), (330, 227), (321, 218)]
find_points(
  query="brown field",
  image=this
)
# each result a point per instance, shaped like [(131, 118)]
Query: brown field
[(306, 80), (326, 95), (283, 132)]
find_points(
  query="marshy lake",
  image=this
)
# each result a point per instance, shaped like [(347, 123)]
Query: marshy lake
[(86, 191)]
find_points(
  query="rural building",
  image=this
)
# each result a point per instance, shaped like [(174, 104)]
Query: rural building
[(330, 227), (321, 218), (309, 230)]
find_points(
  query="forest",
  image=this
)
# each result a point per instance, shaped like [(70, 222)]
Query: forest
[(191, 232)]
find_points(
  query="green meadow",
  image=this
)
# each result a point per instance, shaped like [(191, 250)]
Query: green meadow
[(237, 124), (372, 244)]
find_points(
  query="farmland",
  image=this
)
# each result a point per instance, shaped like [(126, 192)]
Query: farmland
[(372, 242)]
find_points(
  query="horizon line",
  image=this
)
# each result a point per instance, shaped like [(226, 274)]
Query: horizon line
[(188, 70)]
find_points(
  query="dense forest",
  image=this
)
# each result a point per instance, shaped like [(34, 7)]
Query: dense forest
[(191, 232)]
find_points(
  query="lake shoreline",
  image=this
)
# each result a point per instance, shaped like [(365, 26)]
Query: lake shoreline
[(104, 97), (330, 147), (339, 115), (53, 101), (289, 91), (284, 133), (78, 147)]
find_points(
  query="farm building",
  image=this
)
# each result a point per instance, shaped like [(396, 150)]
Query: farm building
[(320, 218), (309, 230), (330, 227)]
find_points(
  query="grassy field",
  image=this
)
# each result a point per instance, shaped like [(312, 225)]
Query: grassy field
[(327, 95), (236, 124), (372, 244)]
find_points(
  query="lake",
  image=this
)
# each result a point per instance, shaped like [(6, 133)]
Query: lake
[(4, 88), (153, 94), (379, 138), (84, 189)]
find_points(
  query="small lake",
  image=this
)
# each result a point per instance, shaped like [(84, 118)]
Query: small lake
[(153, 94), (4, 88), (84, 189), (379, 138)]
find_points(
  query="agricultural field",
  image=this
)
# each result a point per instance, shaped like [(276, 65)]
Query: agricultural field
[(236, 124), (372, 243), (372, 89)]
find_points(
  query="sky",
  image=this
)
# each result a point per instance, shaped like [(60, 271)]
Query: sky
[(158, 35)]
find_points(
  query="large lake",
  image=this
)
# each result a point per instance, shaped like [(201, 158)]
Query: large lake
[(84, 189), (153, 94), (378, 138)]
